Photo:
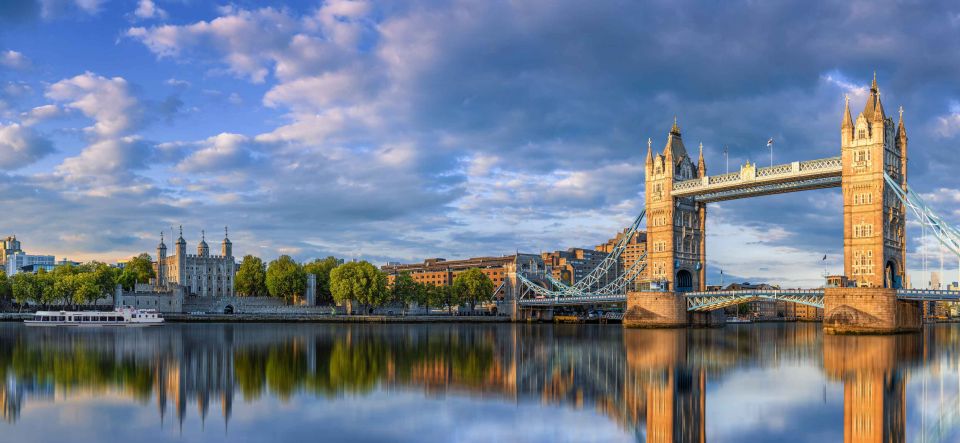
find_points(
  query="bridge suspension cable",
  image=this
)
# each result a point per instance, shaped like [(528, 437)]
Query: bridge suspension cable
[(947, 235), (598, 282)]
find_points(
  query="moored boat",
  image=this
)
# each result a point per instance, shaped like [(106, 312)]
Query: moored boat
[(125, 316)]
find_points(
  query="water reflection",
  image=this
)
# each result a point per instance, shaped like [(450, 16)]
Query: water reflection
[(654, 385)]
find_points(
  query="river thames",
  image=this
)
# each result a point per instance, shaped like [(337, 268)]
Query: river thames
[(784, 382)]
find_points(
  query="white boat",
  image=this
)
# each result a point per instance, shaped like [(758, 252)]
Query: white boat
[(125, 316), (738, 320)]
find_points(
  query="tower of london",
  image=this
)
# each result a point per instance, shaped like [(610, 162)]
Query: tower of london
[(202, 274)]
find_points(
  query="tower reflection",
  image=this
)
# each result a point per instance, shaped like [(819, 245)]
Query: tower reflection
[(652, 383)]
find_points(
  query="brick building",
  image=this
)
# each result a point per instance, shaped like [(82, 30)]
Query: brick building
[(442, 272)]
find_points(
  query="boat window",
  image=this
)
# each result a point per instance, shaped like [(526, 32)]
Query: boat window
[(60, 318)]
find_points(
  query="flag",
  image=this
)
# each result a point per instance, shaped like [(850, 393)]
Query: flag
[(770, 142), (824, 257)]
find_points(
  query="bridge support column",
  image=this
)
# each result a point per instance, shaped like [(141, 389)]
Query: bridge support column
[(708, 319), (656, 309), (869, 311)]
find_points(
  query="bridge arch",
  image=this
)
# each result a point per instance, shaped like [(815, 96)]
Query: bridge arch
[(684, 281), (891, 275)]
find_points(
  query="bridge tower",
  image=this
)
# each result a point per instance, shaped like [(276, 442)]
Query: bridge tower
[(675, 226), (873, 218)]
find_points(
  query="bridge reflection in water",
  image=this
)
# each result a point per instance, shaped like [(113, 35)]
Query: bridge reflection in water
[(652, 383)]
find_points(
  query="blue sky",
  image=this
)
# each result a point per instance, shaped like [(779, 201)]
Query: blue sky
[(396, 131)]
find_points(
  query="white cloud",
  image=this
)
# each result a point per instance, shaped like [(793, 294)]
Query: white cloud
[(109, 102), (148, 9), (14, 60), (20, 146), (40, 113), (223, 152)]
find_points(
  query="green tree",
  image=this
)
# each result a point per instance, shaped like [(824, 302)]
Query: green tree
[(24, 288), (361, 282), (86, 288), (64, 285), (45, 294), (251, 280), (6, 291), (286, 279), (404, 289), (322, 268), (138, 269), (441, 296), (472, 286)]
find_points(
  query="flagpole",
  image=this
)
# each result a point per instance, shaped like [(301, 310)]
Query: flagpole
[(726, 159)]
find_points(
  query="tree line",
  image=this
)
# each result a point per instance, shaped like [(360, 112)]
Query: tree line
[(70, 285), (358, 282), (336, 282)]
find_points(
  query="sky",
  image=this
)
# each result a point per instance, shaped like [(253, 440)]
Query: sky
[(402, 130)]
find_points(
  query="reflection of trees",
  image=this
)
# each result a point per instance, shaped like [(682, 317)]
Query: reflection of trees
[(357, 367), (80, 366)]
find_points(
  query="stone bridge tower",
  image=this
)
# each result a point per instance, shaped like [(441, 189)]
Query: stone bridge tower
[(675, 226), (873, 217)]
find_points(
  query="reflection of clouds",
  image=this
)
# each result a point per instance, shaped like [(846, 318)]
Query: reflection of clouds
[(381, 416), (933, 396), (774, 404)]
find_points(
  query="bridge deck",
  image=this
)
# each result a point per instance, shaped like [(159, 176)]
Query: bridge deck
[(710, 300), (752, 181)]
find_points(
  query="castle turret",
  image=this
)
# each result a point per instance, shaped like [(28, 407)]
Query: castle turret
[(226, 248), (161, 262), (203, 250)]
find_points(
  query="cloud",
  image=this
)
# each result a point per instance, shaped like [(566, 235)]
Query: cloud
[(223, 152), (108, 101), (147, 9), (41, 113), (14, 60), (21, 146)]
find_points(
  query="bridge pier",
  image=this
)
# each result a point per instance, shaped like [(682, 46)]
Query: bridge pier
[(869, 311), (655, 309)]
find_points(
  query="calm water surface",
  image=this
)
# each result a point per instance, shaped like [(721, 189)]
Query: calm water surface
[(482, 383)]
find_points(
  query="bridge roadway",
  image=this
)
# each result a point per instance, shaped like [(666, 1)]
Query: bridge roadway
[(752, 181), (710, 300)]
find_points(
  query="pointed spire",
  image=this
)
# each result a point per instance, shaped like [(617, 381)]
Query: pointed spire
[(701, 165), (203, 235), (226, 232), (869, 109), (847, 120), (675, 129), (649, 150), (878, 114), (901, 129)]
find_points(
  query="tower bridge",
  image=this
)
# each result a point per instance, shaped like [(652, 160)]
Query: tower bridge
[(872, 174)]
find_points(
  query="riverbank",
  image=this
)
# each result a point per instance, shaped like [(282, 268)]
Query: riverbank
[(303, 318)]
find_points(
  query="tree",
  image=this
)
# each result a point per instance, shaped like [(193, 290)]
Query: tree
[(138, 269), (286, 279), (251, 280), (472, 286), (360, 282), (6, 292), (45, 293), (322, 268), (441, 296), (23, 287), (404, 289)]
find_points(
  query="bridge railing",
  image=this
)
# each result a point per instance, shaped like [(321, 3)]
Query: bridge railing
[(755, 292), (928, 294), (821, 163), (799, 170)]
